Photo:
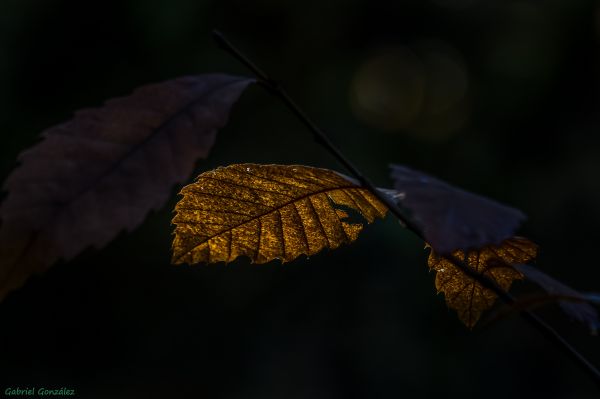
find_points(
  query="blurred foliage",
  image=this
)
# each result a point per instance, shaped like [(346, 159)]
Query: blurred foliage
[(503, 100)]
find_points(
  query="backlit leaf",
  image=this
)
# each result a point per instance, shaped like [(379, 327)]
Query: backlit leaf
[(463, 293), (102, 171), (267, 212), (449, 218)]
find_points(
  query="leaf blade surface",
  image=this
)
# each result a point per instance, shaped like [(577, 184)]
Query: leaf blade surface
[(105, 169), (449, 218), (267, 212), (465, 294)]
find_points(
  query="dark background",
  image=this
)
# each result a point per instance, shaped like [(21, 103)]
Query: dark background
[(499, 97)]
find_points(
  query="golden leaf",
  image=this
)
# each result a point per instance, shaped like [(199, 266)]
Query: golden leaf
[(467, 296), (267, 212)]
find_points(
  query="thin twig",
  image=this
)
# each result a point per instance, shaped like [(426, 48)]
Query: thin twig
[(277, 90)]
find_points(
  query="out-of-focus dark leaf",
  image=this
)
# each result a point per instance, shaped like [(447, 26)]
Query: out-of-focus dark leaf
[(267, 212), (465, 294), (577, 307), (593, 297), (449, 218), (105, 169)]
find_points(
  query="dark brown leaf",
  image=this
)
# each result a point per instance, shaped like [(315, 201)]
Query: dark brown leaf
[(450, 218), (105, 169), (577, 308)]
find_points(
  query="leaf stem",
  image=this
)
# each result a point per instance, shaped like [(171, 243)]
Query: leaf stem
[(319, 135)]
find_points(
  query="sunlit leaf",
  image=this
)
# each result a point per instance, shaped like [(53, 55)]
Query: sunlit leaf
[(576, 307), (267, 212), (449, 218), (466, 295), (102, 171)]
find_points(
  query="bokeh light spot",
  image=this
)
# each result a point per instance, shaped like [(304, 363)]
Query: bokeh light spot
[(388, 89), (421, 91)]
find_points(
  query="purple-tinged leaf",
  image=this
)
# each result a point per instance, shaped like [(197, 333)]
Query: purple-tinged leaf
[(577, 307), (104, 170), (449, 218)]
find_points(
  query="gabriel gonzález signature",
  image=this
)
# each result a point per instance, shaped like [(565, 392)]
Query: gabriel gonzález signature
[(42, 391)]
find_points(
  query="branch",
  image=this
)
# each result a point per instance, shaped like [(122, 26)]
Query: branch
[(277, 90)]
